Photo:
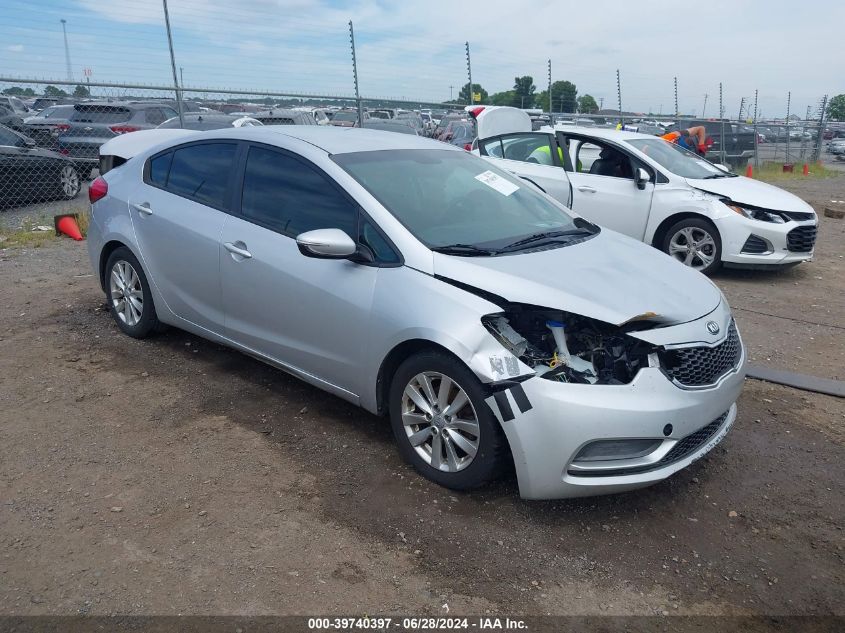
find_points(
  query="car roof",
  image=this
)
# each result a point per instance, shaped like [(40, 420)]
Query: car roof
[(609, 134), (333, 139)]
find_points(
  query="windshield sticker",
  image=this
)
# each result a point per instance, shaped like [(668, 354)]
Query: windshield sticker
[(496, 182)]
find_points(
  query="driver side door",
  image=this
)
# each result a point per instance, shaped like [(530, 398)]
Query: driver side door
[(307, 314)]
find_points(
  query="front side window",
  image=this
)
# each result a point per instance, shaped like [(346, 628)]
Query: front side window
[(201, 172), (9, 139), (599, 159), (454, 199), (286, 195)]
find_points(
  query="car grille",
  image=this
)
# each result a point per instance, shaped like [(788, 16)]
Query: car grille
[(801, 239), (755, 245), (702, 366), (684, 448)]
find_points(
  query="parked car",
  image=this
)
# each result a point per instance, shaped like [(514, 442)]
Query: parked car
[(204, 121), (391, 125), (92, 124), (280, 116), (459, 133), (45, 126), (420, 282), (11, 119), (116, 151), (32, 174), (654, 191), (347, 118), (444, 122), (15, 105)]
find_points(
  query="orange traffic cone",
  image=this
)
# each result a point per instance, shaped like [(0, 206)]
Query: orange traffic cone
[(67, 224), (806, 169), (749, 171)]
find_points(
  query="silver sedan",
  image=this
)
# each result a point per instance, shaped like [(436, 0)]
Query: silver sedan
[(488, 322)]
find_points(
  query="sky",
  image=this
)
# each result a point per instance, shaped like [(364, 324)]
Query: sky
[(414, 49)]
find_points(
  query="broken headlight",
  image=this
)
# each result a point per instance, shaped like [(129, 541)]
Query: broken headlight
[(755, 214), (568, 347)]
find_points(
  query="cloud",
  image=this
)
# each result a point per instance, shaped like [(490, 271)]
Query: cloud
[(15, 48)]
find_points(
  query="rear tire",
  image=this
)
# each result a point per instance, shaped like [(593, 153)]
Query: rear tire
[(128, 294), (441, 423), (69, 182)]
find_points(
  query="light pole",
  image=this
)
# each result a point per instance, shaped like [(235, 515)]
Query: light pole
[(67, 51)]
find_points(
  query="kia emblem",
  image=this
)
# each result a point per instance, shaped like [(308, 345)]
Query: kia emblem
[(712, 327)]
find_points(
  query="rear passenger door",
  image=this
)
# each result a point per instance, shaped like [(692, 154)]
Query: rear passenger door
[(533, 156), (178, 214), (308, 314)]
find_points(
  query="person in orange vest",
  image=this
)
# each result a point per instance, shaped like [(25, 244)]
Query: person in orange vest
[(693, 139)]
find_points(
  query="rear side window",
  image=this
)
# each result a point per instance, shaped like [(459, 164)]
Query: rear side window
[(201, 172), (100, 114), (291, 197), (160, 168)]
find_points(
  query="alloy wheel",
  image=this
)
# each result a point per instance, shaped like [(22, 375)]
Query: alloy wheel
[(69, 180), (440, 421), (694, 247), (127, 295)]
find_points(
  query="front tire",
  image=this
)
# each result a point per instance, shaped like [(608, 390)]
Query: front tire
[(441, 423), (129, 296), (694, 242)]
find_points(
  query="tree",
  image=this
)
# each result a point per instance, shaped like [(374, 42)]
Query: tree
[(524, 92), (17, 91), (587, 104), (564, 95), (52, 91), (836, 108), (463, 95), (502, 98), (81, 91)]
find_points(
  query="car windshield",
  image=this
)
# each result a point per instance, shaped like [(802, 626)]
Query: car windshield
[(345, 116), (678, 160), (454, 200)]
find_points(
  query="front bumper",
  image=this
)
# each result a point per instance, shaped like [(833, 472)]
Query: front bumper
[(735, 231), (554, 421)]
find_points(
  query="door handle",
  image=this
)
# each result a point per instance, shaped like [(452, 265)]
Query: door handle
[(143, 208), (586, 189), (236, 250)]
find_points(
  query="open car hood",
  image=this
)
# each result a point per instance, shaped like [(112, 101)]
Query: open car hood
[(609, 277), (744, 190)]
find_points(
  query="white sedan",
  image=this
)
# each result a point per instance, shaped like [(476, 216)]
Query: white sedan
[(654, 191)]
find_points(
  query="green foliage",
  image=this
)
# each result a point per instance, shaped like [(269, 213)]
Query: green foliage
[(836, 108), (587, 104), (564, 95), (81, 91), (463, 95), (502, 98), (17, 91), (52, 91), (524, 92)]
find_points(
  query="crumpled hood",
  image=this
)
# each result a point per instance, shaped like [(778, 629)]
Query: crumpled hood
[(744, 190), (609, 277)]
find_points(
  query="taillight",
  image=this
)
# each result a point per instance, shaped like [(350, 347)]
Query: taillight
[(97, 190), (123, 129), (64, 151), (61, 127), (476, 111), (468, 147)]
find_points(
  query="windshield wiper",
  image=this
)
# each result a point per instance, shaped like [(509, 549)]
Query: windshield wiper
[(550, 235), (711, 176), (467, 250)]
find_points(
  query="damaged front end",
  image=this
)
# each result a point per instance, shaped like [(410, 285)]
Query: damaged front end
[(571, 348)]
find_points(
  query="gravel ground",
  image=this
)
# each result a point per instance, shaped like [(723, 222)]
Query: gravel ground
[(173, 476)]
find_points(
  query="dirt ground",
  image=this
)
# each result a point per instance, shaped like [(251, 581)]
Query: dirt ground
[(173, 476)]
